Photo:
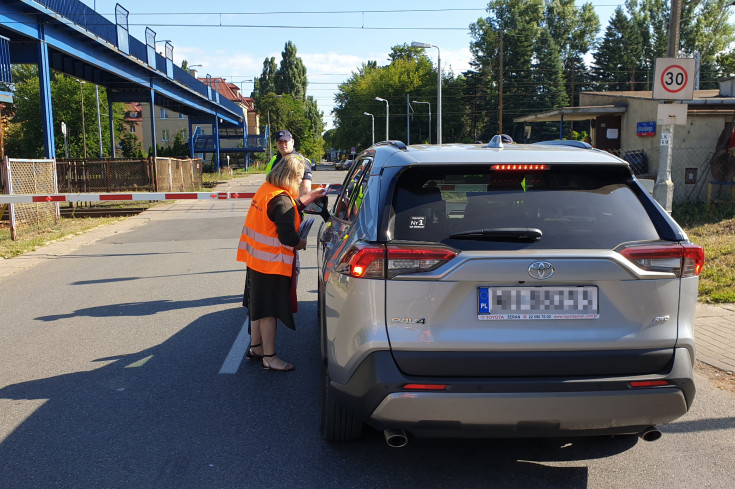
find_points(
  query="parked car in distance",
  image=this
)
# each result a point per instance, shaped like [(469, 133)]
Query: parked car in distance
[(343, 164), (502, 291)]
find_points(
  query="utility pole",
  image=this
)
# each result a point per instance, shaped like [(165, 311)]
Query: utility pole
[(500, 85), (663, 189), (674, 21)]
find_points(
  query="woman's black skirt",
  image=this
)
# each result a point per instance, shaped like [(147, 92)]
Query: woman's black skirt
[(268, 295)]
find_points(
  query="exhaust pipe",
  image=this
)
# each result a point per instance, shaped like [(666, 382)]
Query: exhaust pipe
[(650, 434), (395, 438)]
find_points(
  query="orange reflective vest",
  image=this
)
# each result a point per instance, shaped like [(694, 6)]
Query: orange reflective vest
[(259, 245)]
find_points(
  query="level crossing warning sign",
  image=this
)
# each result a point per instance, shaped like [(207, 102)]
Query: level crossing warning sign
[(674, 79)]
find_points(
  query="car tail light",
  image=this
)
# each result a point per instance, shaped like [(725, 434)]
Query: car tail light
[(648, 383), (684, 260), (519, 167), (369, 261), (363, 261), (403, 260), (425, 387)]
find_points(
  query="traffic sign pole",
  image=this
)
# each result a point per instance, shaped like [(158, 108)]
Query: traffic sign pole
[(673, 80)]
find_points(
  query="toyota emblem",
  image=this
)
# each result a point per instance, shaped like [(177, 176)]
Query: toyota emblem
[(541, 270)]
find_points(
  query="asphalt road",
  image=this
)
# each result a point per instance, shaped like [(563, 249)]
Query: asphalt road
[(116, 371)]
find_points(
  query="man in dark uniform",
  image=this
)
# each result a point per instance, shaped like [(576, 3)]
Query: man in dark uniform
[(285, 142)]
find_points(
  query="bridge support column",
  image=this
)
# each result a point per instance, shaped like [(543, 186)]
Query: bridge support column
[(112, 125), (44, 78), (153, 122), (216, 137)]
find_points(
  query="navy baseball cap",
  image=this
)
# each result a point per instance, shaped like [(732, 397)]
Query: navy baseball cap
[(283, 136)]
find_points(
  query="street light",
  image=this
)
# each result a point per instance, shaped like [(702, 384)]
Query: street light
[(424, 45), (387, 113), (429, 104), (372, 123)]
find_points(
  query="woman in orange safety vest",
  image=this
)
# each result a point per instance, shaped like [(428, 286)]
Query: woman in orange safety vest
[(268, 244)]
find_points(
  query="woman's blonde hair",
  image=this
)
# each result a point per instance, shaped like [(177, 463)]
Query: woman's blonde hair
[(287, 174)]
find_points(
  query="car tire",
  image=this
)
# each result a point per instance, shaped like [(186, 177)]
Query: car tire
[(338, 424)]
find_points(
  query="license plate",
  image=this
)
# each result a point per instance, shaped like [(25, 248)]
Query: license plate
[(509, 303)]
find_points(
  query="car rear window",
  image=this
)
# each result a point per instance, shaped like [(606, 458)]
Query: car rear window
[(573, 206)]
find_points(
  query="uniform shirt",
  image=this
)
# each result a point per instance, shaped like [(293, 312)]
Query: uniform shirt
[(307, 165)]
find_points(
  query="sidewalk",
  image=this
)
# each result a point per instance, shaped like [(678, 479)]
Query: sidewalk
[(714, 331)]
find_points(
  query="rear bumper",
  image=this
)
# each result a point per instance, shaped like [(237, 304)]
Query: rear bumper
[(516, 406)]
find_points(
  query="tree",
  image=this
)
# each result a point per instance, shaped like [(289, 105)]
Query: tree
[(404, 75), (130, 146), (266, 83), (508, 33), (66, 100), (291, 75), (610, 64), (573, 29), (549, 80), (705, 30)]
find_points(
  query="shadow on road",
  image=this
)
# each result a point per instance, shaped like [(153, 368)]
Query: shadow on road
[(163, 417)]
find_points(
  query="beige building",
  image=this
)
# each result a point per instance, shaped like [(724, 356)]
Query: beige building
[(627, 124)]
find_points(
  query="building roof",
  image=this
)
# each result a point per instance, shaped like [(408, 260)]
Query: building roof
[(230, 91), (712, 99)]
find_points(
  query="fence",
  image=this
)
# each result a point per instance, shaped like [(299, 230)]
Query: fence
[(19, 176), (174, 175), (693, 169), (30, 177), (161, 174), (77, 176)]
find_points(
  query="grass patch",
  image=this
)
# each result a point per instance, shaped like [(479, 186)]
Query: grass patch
[(712, 228), (65, 228)]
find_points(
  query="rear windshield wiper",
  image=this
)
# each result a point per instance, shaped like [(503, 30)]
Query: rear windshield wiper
[(501, 234)]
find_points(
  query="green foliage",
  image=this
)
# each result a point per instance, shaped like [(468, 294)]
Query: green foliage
[(26, 131), (291, 75), (280, 98), (130, 146)]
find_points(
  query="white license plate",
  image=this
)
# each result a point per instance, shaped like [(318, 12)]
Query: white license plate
[(503, 303)]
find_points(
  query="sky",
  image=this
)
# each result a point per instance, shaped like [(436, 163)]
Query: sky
[(231, 39)]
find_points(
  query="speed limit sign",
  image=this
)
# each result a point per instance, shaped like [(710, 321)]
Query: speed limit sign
[(674, 79)]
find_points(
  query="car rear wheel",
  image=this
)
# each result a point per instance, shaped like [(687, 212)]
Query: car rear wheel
[(338, 424)]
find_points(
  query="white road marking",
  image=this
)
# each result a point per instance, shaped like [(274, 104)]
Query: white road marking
[(237, 352)]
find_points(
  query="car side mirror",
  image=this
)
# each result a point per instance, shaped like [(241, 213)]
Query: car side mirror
[(319, 208)]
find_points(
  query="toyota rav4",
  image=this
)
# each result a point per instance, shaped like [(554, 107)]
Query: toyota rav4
[(502, 290)]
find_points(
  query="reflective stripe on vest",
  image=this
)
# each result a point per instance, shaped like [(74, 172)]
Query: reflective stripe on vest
[(259, 245), (269, 167)]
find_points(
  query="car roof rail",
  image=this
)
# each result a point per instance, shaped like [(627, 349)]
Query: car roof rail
[(566, 142), (398, 144)]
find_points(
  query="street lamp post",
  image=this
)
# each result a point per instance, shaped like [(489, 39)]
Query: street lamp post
[(429, 104), (387, 113), (84, 127), (372, 123), (424, 45)]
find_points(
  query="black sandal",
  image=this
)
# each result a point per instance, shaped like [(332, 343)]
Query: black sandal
[(251, 355), (287, 367)]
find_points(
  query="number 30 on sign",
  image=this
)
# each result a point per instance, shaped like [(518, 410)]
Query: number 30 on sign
[(674, 79)]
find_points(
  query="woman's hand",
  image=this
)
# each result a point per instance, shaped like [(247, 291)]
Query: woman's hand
[(301, 245), (310, 197)]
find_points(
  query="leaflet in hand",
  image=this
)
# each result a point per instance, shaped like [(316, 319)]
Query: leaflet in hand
[(305, 227)]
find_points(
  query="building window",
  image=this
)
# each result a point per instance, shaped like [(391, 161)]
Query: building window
[(132, 128), (164, 135), (182, 116), (164, 114)]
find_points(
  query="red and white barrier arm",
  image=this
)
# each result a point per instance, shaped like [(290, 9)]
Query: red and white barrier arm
[(30, 199)]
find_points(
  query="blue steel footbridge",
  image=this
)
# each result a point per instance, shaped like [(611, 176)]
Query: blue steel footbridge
[(71, 38)]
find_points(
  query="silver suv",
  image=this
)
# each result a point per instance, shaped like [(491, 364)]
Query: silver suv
[(502, 290)]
